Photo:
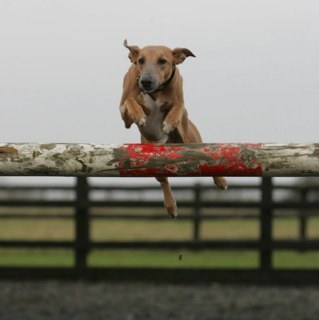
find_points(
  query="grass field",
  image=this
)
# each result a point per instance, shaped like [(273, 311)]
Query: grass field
[(57, 229), (158, 258)]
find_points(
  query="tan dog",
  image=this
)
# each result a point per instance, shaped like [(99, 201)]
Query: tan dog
[(153, 100)]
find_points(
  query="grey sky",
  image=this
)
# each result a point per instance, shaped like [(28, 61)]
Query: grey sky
[(255, 77)]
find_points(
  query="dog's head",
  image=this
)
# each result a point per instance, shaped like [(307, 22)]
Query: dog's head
[(156, 64)]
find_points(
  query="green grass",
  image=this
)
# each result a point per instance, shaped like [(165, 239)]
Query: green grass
[(104, 230), (173, 259), (36, 258), (33, 229), (158, 258), (132, 258), (295, 260), (140, 230), (289, 228), (57, 229)]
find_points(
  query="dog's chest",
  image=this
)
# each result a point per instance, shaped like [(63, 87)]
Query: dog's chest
[(154, 120)]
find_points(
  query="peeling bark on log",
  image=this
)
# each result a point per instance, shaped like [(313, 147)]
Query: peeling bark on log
[(149, 160)]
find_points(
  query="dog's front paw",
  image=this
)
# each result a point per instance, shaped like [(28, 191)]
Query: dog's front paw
[(142, 122), (167, 127), (138, 117)]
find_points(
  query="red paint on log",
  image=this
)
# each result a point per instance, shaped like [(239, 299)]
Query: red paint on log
[(142, 160), (231, 161), (237, 169), (139, 156), (147, 151)]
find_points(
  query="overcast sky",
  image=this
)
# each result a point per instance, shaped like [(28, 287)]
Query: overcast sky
[(255, 77)]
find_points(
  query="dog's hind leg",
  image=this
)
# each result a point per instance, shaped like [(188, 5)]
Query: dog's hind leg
[(192, 135), (169, 200), (221, 183)]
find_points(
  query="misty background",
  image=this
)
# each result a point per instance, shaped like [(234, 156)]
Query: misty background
[(255, 77)]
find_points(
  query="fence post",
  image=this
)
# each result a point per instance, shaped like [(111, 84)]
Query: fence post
[(303, 214), (81, 224), (196, 213), (265, 258)]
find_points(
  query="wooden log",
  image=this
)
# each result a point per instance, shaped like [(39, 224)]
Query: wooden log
[(149, 160)]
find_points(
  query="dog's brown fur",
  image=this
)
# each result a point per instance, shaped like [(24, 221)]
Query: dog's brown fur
[(153, 100)]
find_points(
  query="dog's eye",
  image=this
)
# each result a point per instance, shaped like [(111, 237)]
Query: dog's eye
[(141, 61), (161, 61)]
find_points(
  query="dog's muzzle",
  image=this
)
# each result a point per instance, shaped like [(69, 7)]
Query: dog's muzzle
[(147, 83)]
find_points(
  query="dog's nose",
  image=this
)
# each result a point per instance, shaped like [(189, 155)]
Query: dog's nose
[(146, 84)]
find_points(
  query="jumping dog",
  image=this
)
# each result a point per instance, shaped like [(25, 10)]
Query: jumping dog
[(153, 99)]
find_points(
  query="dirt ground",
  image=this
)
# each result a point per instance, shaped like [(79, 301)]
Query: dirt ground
[(139, 301)]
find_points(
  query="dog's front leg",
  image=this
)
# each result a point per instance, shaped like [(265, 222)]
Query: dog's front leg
[(173, 118), (131, 111)]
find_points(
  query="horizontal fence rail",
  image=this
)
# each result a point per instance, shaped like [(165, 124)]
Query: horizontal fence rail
[(149, 160)]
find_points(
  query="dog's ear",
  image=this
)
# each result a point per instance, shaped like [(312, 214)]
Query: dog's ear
[(134, 51), (180, 54)]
